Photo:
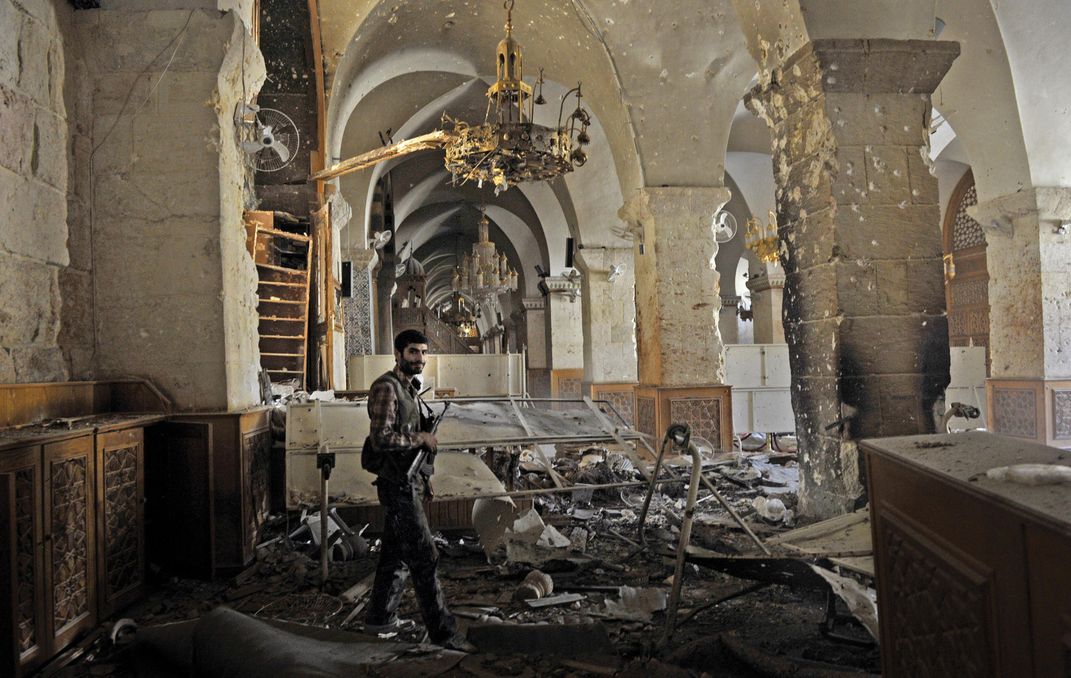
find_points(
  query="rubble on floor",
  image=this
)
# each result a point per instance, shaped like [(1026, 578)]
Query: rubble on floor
[(565, 588)]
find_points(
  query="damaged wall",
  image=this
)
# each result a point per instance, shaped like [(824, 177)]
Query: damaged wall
[(175, 289), (45, 298)]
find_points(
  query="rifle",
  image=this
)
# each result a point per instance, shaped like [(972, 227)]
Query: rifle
[(422, 455)]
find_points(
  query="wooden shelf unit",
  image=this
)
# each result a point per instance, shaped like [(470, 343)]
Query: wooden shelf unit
[(282, 294)]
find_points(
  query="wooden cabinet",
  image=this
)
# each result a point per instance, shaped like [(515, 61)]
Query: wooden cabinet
[(120, 518), (209, 489), (70, 538), (25, 643), (49, 544), (971, 571)]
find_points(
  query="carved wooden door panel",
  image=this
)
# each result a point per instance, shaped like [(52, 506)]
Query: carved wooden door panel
[(121, 518), (966, 277), (23, 637), (70, 556)]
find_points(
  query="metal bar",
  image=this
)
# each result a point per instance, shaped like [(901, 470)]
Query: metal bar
[(466, 444), (541, 490), (520, 417), (733, 513), (650, 491), (682, 544), (630, 451)]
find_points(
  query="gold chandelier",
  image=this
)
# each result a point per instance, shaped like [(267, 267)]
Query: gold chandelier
[(508, 147), (763, 240), (484, 274)]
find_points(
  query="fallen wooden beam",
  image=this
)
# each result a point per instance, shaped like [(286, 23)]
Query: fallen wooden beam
[(424, 142)]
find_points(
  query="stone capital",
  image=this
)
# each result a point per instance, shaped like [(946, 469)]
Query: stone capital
[(1049, 205), (730, 301), (768, 280), (680, 204), (563, 285), (533, 303), (341, 212), (851, 66), (599, 259), (362, 259)]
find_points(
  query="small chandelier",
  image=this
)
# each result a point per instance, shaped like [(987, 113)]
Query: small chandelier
[(763, 240), (509, 147), (484, 274), (460, 316)]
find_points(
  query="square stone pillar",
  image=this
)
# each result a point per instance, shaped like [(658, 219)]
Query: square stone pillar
[(681, 357), (729, 320), (357, 308), (861, 248), (677, 299), (1029, 265), (536, 344), (767, 299), (609, 316), (564, 324)]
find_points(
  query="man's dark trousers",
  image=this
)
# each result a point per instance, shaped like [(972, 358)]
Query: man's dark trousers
[(407, 542)]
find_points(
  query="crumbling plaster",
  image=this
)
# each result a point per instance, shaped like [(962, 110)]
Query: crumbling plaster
[(677, 291), (174, 286)]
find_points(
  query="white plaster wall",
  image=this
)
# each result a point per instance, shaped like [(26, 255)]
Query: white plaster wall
[(35, 264), (1034, 36), (242, 72)]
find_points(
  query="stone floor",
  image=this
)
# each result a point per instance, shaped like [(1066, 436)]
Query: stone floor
[(766, 632)]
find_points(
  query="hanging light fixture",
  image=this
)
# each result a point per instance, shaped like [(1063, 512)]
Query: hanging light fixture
[(460, 316), (484, 274), (509, 147), (763, 240)]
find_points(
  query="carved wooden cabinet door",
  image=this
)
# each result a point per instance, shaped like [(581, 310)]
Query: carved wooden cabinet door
[(23, 638), (70, 553), (121, 518)]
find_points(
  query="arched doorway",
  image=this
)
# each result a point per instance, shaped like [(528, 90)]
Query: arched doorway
[(966, 277)]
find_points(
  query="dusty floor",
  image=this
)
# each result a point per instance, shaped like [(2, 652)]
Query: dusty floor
[(765, 632)]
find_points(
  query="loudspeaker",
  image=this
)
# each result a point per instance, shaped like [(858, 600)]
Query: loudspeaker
[(347, 279), (568, 252)]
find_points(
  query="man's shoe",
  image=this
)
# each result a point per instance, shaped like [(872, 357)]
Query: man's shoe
[(458, 643), (391, 628)]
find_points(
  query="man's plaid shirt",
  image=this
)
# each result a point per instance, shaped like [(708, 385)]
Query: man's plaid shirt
[(383, 412)]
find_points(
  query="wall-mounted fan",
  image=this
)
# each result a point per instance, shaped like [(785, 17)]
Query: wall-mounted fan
[(275, 140), (724, 226)]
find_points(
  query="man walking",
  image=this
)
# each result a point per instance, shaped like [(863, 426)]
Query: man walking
[(398, 434)]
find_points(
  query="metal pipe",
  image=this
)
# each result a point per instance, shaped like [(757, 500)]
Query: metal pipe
[(682, 544), (324, 518), (734, 514), (650, 491)]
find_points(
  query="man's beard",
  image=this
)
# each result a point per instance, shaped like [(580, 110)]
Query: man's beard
[(411, 368)]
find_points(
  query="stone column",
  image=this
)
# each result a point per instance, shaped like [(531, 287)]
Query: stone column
[(681, 357), (677, 300), (767, 291), (536, 332), (609, 318), (1029, 264), (357, 308), (861, 248), (728, 320), (384, 293)]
